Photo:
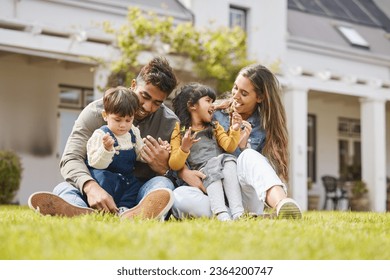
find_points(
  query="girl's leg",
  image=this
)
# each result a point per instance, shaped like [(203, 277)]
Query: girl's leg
[(232, 189), (217, 200), (190, 202)]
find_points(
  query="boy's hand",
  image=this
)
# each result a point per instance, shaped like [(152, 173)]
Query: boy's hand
[(108, 142)]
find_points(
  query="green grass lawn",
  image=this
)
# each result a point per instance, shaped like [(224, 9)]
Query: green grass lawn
[(26, 235)]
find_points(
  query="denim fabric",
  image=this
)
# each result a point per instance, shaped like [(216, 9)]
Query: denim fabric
[(152, 184), (72, 195), (256, 139)]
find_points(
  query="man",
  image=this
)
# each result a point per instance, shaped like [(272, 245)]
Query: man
[(80, 194)]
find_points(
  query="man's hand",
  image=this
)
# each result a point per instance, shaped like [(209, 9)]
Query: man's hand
[(193, 178), (98, 198), (155, 155)]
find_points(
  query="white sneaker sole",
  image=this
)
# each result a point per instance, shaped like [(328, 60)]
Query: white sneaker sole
[(47, 203), (153, 206), (289, 209)]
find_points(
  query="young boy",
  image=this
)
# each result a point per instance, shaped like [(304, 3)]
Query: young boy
[(114, 148)]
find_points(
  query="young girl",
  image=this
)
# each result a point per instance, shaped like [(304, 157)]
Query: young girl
[(202, 143), (113, 149)]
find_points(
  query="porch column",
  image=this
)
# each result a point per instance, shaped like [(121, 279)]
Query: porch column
[(373, 135), (295, 102), (100, 81)]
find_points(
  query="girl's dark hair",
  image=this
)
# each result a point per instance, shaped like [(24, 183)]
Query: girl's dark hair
[(121, 101), (188, 96)]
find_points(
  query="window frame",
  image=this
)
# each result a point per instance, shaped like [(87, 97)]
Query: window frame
[(238, 11)]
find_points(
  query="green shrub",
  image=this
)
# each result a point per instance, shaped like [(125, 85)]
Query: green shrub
[(10, 176)]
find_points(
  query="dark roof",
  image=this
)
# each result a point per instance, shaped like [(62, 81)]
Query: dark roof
[(364, 12)]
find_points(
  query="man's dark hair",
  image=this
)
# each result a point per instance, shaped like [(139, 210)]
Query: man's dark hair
[(160, 74)]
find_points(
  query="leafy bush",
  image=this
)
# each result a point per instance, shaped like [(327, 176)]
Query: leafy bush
[(10, 176), (217, 53)]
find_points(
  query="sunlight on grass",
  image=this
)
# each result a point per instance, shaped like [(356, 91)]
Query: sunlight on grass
[(319, 235)]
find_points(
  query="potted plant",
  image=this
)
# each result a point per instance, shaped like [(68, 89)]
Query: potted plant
[(313, 199), (359, 200)]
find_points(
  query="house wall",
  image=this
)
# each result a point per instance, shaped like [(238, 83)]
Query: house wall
[(266, 22), (29, 105)]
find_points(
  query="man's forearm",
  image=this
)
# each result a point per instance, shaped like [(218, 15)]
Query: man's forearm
[(75, 172)]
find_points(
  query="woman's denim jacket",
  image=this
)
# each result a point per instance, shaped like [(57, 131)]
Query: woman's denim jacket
[(256, 139)]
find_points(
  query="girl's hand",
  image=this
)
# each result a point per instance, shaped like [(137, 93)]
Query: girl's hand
[(164, 144), (225, 104), (188, 140), (108, 142), (245, 132), (155, 155), (236, 120)]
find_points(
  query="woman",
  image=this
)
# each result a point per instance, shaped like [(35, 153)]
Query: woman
[(262, 164)]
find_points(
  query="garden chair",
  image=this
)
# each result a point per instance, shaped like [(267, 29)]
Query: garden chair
[(331, 190)]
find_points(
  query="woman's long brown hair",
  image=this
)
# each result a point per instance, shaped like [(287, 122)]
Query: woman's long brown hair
[(273, 116)]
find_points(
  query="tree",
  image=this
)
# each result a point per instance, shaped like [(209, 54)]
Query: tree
[(217, 54)]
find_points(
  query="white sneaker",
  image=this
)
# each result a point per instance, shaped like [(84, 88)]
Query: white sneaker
[(288, 208), (224, 217)]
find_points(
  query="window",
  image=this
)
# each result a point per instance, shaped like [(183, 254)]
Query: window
[(311, 147), (72, 100), (75, 97), (349, 149), (353, 37), (349, 127), (237, 17)]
